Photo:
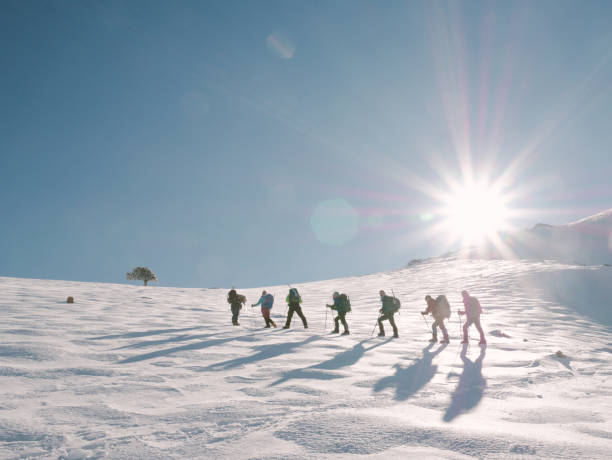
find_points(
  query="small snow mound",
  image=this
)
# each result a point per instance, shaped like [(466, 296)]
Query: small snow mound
[(498, 333)]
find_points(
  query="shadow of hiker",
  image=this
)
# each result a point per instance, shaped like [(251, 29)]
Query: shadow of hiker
[(264, 352), (408, 380), (470, 388), (192, 346), (131, 335), (178, 338), (343, 359)]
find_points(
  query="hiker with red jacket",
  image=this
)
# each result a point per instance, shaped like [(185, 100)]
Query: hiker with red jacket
[(472, 313), (440, 309), (266, 301)]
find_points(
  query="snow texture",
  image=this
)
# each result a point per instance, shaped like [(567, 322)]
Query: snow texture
[(135, 372)]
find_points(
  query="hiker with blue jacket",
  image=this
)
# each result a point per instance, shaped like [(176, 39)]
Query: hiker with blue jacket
[(342, 305), (266, 301), (294, 300), (389, 306)]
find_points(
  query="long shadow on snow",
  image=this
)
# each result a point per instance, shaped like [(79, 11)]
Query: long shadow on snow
[(193, 346), (408, 380), (343, 359), (263, 352), (179, 338), (470, 388), (129, 335)]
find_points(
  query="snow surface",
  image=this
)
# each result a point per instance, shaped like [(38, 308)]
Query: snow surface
[(135, 372)]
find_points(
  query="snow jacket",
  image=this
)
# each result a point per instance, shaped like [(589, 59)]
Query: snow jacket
[(432, 307), (337, 305), (388, 306), (266, 301), (289, 302), (472, 307)]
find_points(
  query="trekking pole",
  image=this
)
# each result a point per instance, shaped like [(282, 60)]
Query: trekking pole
[(326, 318), (426, 322), (374, 328)]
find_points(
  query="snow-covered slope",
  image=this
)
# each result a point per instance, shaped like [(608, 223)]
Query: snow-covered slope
[(587, 241), (134, 372)]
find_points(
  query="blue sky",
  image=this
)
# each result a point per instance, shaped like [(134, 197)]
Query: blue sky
[(257, 143)]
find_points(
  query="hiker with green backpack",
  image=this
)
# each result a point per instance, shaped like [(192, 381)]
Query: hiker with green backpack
[(390, 305), (439, 308), (294, 300), (342, 305)]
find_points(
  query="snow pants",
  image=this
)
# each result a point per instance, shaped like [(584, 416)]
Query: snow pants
[(340, 318), (387, 316), (235, 312), (476, 322), (297, 309), (265, 312), (439, 323)]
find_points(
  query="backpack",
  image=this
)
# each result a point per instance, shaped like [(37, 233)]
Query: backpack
[(443, 308), (345, 303), (294, 296), (396, 304), (268, 300)]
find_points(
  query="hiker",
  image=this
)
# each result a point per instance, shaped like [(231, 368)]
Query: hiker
[(439, 308), (472, 313), (294, 300), (235, 300), (389, 306), (342, 305), (266, 301)]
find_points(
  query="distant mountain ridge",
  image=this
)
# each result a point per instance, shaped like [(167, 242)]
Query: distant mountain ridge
[(587, 241)]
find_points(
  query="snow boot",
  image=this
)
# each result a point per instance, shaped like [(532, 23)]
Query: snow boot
[(285, 327), (433, 340), (381, 334), (445, 340), (335, 331), (267, 326), (396, 335), (345, 333), (482, 342)]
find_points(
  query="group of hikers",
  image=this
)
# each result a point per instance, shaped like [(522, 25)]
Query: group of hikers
[(439, 308)]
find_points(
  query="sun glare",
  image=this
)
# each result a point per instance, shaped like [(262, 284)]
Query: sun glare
[(475, 214)]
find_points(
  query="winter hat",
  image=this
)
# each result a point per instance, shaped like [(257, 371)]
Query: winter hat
[(336, 294)]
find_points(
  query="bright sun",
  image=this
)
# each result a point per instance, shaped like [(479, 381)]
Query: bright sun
[(475, 213)]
